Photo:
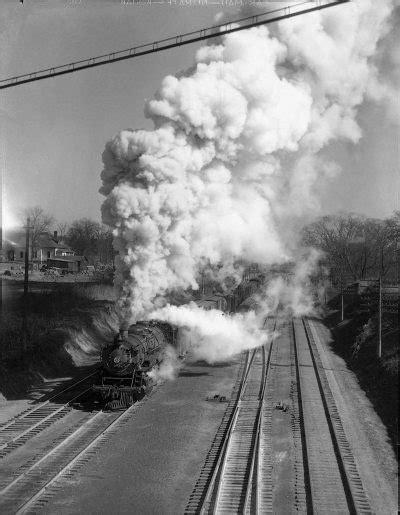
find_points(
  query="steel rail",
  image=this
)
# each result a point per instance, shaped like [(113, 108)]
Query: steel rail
[(32, 419), (307, 480), (210, 490), (171, 42), (49, 453), (13, 442), (211, 493), (254, 458), (29, 411), (77, 457), (257, 462), (215, 492), (224, 458), (354, 491), (345, 482), (72, 450)]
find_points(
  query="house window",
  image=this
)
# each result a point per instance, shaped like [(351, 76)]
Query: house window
[(21, 254), (35, 254), (48, 253)]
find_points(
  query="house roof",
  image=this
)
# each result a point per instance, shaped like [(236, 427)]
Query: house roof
[(45, 240)]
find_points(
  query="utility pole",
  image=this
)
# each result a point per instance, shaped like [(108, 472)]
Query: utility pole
[(379, 350), (341, 296), (342, 304), (26, 279)]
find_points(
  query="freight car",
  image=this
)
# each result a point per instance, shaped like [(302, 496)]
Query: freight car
[(215, 301)]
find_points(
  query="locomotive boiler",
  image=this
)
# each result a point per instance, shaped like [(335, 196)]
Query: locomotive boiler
[(126, 363)]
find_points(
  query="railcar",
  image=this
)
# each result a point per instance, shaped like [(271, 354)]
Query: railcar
[(216, 301)]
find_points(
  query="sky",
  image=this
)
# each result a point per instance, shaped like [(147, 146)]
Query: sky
[(54, 131)]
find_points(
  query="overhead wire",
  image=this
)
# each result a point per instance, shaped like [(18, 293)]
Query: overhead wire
[(172, 42)]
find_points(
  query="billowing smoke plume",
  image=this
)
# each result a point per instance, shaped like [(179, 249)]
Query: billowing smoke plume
[(234, 161)]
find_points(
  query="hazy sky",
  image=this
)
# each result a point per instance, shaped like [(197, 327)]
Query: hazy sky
[(54, 131)]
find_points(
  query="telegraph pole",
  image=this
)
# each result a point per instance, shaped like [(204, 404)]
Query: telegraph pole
[(341, 296), (26, 279), (379, 350)]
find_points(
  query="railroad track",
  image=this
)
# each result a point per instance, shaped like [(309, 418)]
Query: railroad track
[(34, 484), (282, 447), (332, 481), (226, 481), (29, 423)]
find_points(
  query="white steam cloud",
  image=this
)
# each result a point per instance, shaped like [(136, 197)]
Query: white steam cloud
[(212, 335), (293, 295), (169, 367), (234, 161)]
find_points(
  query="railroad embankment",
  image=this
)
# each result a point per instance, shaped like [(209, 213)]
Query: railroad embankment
[(355, 339), (61, 334)]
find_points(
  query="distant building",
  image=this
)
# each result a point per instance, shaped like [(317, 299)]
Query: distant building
[(46, 251), (70, 263)]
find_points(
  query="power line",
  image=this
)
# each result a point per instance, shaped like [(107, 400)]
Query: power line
[(172, 42)]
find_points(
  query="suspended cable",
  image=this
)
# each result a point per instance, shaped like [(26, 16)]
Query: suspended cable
[(172, 42)]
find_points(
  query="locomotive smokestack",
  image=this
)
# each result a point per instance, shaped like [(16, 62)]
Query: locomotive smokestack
[(123, 331)]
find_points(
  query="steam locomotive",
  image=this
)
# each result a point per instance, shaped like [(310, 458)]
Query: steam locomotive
[(126, 363), (135, 351)]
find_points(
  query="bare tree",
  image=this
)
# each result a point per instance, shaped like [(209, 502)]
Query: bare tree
[(40, 222), (92, 240), (105, 247), (62, 229), (355, 246)]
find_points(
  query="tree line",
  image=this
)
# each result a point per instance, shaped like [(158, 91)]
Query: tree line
[(356, 247)]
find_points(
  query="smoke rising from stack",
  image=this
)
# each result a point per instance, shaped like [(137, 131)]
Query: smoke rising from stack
[(235, 158)]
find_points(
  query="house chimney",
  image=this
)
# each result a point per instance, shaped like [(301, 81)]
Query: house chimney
[(55, 237)]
